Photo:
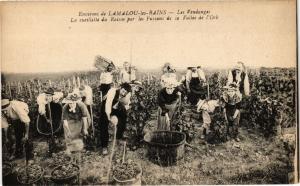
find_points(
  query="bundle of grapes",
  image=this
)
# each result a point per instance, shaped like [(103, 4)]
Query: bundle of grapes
[(30, 174), (60, 158), (65, 174), (128, 173)]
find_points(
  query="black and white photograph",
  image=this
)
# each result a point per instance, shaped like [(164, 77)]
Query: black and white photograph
[(149, 92)]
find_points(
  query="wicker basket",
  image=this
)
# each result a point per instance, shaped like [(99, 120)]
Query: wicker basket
[(71, 179), (165, 148)]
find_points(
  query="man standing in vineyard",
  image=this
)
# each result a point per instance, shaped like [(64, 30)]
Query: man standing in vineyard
[(232, 98), (195, 84), (127, 74), (17, 112), (114, 106), (106, 79)]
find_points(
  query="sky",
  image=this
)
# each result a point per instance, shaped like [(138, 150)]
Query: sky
[(39, 37)]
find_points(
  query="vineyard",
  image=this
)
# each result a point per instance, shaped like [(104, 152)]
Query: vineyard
[(264, 155)]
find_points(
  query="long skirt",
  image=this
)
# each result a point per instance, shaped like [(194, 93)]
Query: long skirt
[(163, 124)]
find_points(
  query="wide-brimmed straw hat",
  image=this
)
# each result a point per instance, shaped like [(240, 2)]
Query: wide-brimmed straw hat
[(72, 97), (49, 91)]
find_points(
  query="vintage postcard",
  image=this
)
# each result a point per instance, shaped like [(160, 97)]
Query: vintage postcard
[(149, 93)]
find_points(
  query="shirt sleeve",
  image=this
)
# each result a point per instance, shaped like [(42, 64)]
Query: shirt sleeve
[(229, 78), (4, 123), (65, 115), (83, 109), (109, 100), (41, 101), (102, 78), (201, 74), (89, 95), (162, 101), (188, 75), (22, 111)]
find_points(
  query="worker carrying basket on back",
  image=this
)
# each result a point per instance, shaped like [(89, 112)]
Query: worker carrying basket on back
[(168, 101)]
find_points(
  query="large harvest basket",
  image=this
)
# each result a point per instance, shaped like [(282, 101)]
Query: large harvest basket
[(70, 179), (165, 148)]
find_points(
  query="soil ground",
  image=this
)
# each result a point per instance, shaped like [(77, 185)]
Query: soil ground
[(253, 160)]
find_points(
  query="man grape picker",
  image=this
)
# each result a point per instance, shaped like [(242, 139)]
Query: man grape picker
[(49, 119), (195, 84), (168, 101), (113, 110), (76, 120), (17, 113), (106, 78)]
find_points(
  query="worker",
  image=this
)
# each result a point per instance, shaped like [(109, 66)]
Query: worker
[(114, 110), (128, 73), (195, 84), (76, 120), (106, 79), (168, 101), (17, 112), (168, 74), (232, 99), (239, 76)]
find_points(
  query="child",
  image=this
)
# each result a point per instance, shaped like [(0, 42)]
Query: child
[(232, 99), (206, 107)]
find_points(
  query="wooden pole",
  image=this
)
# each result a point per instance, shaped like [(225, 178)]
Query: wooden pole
[(9, 88), (29, 90)]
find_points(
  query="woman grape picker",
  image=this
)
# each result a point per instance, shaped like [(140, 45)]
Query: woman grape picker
[(113, 110), (168, 74), (195, 84), (232, 99), (168, 101), (16, 112), (48, 102), (76, 120), (239, 76)]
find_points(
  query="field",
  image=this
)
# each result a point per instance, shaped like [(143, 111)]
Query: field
[(264, 155)]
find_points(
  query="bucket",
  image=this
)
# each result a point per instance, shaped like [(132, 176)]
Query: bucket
[(35, 175), (165, 148), (58, 177), (136, 180)]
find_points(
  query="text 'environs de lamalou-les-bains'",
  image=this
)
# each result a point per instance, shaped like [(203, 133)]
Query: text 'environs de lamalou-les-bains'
[(148, 12)]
